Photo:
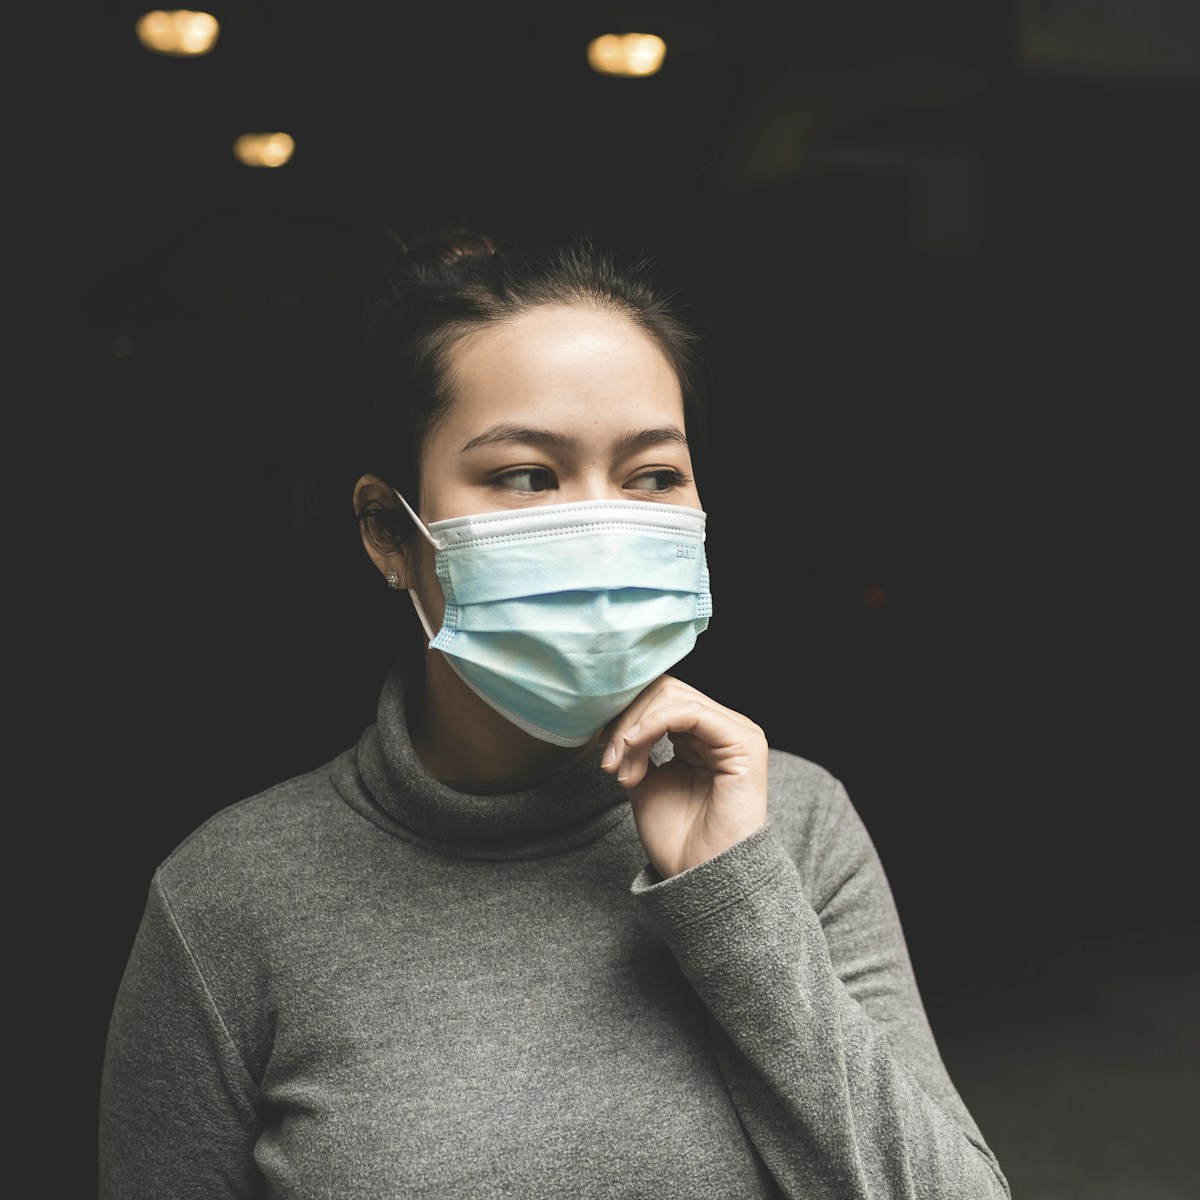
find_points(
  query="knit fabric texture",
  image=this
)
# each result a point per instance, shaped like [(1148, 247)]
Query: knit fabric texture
[(365, 983)]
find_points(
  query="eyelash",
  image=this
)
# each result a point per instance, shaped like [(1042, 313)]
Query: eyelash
[(667, 477), (673, 479)]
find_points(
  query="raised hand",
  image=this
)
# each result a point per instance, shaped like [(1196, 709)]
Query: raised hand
[(712, 794)]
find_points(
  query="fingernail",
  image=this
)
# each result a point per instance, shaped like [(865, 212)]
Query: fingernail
[(631, 732), (610, 755), (623, 773)]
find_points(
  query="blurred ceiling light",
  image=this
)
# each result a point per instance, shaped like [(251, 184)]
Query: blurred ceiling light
[(626, 53), (264, 149), (180, 33)]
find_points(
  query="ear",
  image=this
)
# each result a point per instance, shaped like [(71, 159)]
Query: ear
[(371, 492)]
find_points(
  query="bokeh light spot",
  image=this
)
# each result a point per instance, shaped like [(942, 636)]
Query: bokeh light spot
[(179, 33), (264, 149), (629, 54)]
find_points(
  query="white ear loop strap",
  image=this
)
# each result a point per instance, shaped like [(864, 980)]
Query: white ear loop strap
[(412, 592), (419, 523)]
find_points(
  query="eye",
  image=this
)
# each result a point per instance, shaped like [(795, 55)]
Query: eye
[(527, 479), (662, 480)]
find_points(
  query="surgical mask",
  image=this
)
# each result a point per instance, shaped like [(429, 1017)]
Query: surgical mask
[(558, 616)]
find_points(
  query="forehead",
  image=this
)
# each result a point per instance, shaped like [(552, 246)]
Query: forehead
[(562, 364)]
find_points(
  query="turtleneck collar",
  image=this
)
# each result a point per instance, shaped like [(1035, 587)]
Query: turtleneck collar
[(383, 779)]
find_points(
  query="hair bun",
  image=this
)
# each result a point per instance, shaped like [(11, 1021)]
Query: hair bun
[(445, 247)]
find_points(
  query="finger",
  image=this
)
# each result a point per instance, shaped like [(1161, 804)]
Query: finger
[(724, 742), (623, 744), (712, 726), (615, 730), (664, 689)]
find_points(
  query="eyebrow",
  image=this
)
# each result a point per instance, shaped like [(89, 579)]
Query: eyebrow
[(639, 439)]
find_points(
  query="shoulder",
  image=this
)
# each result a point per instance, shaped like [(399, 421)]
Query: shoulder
[(229, 908), (243, 893), (243, 852), (816, 821), (802, 794)]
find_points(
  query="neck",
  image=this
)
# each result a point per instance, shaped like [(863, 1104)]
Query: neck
[(459, 737)]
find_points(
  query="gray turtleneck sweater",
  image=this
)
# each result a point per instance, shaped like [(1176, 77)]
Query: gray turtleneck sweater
[(365, 983)]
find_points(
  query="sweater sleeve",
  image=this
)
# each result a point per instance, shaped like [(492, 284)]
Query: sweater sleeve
[(817, 1022), (178, 1110)]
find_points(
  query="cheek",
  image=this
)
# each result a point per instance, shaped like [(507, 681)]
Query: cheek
[(446, 497)]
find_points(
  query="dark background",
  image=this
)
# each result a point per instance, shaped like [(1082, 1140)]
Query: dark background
[(944, 258)]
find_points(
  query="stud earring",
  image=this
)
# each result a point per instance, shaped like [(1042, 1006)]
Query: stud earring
[(393, 579)]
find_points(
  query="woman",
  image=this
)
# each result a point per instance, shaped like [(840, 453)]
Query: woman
[(559, 924)]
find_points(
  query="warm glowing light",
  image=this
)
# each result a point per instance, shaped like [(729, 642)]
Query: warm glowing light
[(181, 33), (626, 53), (264, 149)]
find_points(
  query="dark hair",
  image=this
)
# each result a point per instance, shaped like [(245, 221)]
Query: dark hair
[(444, 284)]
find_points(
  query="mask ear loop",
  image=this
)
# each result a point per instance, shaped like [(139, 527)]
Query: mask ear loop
[(412, 592)]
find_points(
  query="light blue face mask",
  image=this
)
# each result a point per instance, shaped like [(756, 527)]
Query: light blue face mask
[(558, 616)]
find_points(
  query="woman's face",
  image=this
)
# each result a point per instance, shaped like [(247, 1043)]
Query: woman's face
[(560, 404)]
